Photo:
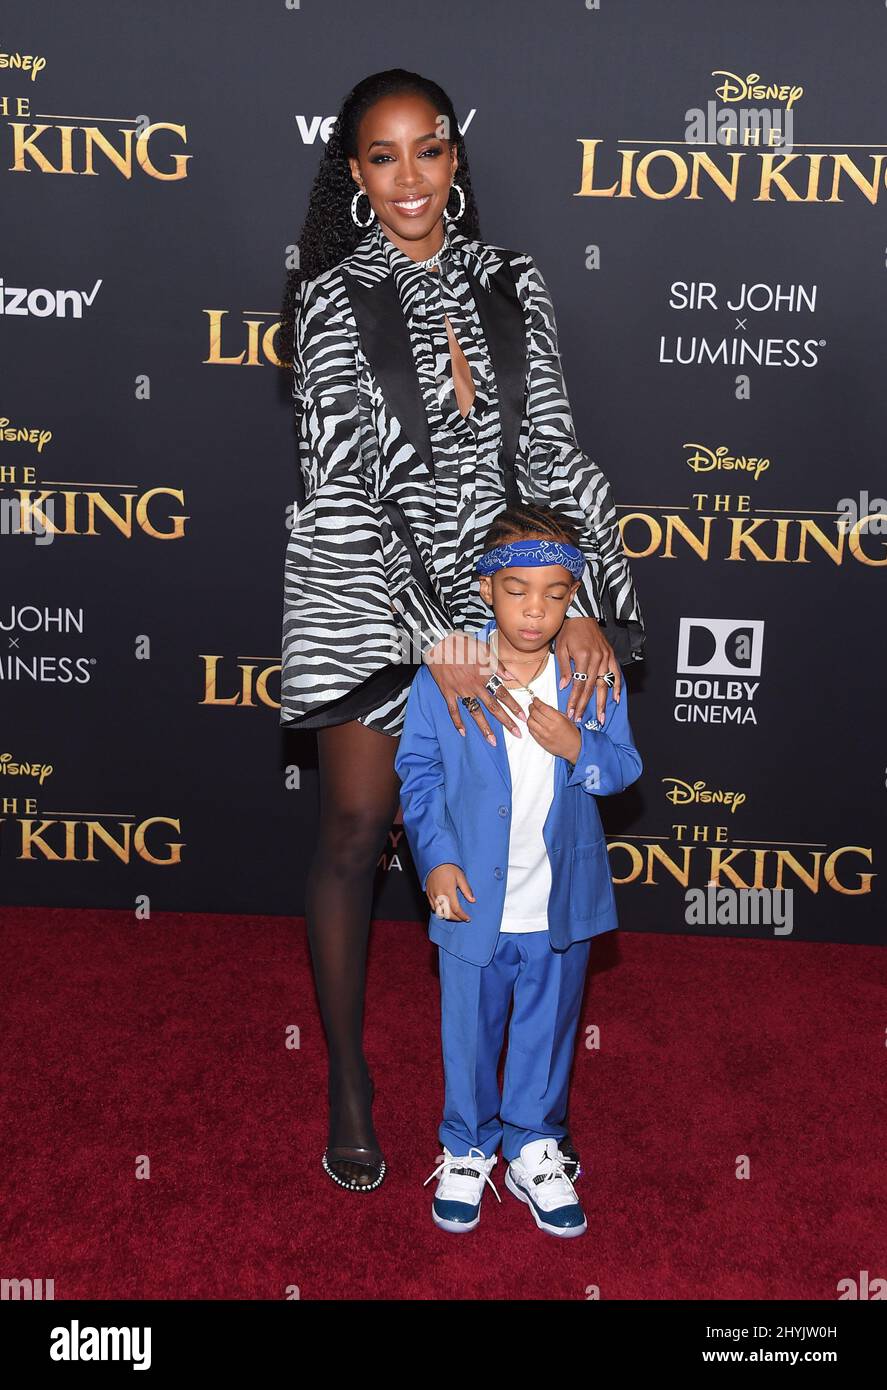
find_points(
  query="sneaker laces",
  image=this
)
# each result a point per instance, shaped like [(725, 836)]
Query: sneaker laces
[(455, 1165)]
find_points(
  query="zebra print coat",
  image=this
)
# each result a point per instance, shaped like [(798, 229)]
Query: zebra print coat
[(400, 488)]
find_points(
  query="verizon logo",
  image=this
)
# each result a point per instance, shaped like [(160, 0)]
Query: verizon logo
[(43, 303), (312, 126)]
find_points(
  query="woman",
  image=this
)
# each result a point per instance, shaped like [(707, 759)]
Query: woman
[(429, 394)]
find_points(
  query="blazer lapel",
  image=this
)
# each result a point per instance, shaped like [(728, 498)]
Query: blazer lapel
[(502, 320), (385, 339)]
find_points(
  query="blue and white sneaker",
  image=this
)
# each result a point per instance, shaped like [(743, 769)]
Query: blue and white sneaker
[(538, 1177), (456, 1206)]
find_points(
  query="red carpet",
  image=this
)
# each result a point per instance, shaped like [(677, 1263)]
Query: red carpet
[(167, 1039)]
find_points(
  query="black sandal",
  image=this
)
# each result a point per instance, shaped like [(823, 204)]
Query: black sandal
[(340, 1162), (374, 1169)]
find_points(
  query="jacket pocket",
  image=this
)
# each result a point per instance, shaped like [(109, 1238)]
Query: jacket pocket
[(447, 924), (591, 887)]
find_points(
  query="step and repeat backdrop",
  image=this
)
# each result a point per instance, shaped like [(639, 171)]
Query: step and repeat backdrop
[(704, 187)]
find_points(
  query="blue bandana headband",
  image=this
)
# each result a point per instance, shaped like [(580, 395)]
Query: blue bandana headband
[(533, 552)]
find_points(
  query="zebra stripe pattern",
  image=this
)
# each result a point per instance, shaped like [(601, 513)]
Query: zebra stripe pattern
[(351, 603)]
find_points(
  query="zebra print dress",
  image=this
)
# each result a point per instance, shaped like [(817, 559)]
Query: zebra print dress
[(352, 605)]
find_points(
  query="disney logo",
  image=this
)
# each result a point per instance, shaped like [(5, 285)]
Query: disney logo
[(27, 62), (736, 88), (703, 460), (8, 768), (687, 793)]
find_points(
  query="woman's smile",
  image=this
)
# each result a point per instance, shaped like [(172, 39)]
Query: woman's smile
[(412, 205), (409, 207)]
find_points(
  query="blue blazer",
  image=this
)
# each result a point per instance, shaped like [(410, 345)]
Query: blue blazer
[(456, 800)]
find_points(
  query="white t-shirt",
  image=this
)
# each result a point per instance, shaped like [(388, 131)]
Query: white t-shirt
[(528, 884)]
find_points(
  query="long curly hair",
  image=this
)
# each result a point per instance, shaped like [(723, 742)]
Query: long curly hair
[(329, 233), (527, 521)]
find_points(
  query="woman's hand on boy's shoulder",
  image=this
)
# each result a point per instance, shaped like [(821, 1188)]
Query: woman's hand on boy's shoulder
[(461, 664), (583, 641), (554, 731)]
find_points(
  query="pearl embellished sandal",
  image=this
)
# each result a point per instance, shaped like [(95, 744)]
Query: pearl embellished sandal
[(374, 1169), (377, 1168)]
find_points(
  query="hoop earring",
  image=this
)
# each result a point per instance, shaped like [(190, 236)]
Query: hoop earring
[(354, 217), (460, 190)]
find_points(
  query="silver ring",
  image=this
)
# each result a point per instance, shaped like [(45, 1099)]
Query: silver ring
[(609, 679), (493, 683), (580, 675)]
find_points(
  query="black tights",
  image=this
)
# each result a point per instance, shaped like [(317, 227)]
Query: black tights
[(359, 796)]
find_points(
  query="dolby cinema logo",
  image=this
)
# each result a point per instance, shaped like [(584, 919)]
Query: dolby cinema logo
[(718, 670)]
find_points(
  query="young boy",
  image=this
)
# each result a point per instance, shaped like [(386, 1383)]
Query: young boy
[(516, 830)]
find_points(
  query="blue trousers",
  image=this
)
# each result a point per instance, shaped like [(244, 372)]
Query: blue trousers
[(547, 989)]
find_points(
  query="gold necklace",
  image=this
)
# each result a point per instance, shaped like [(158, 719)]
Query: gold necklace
[(494, 643)]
